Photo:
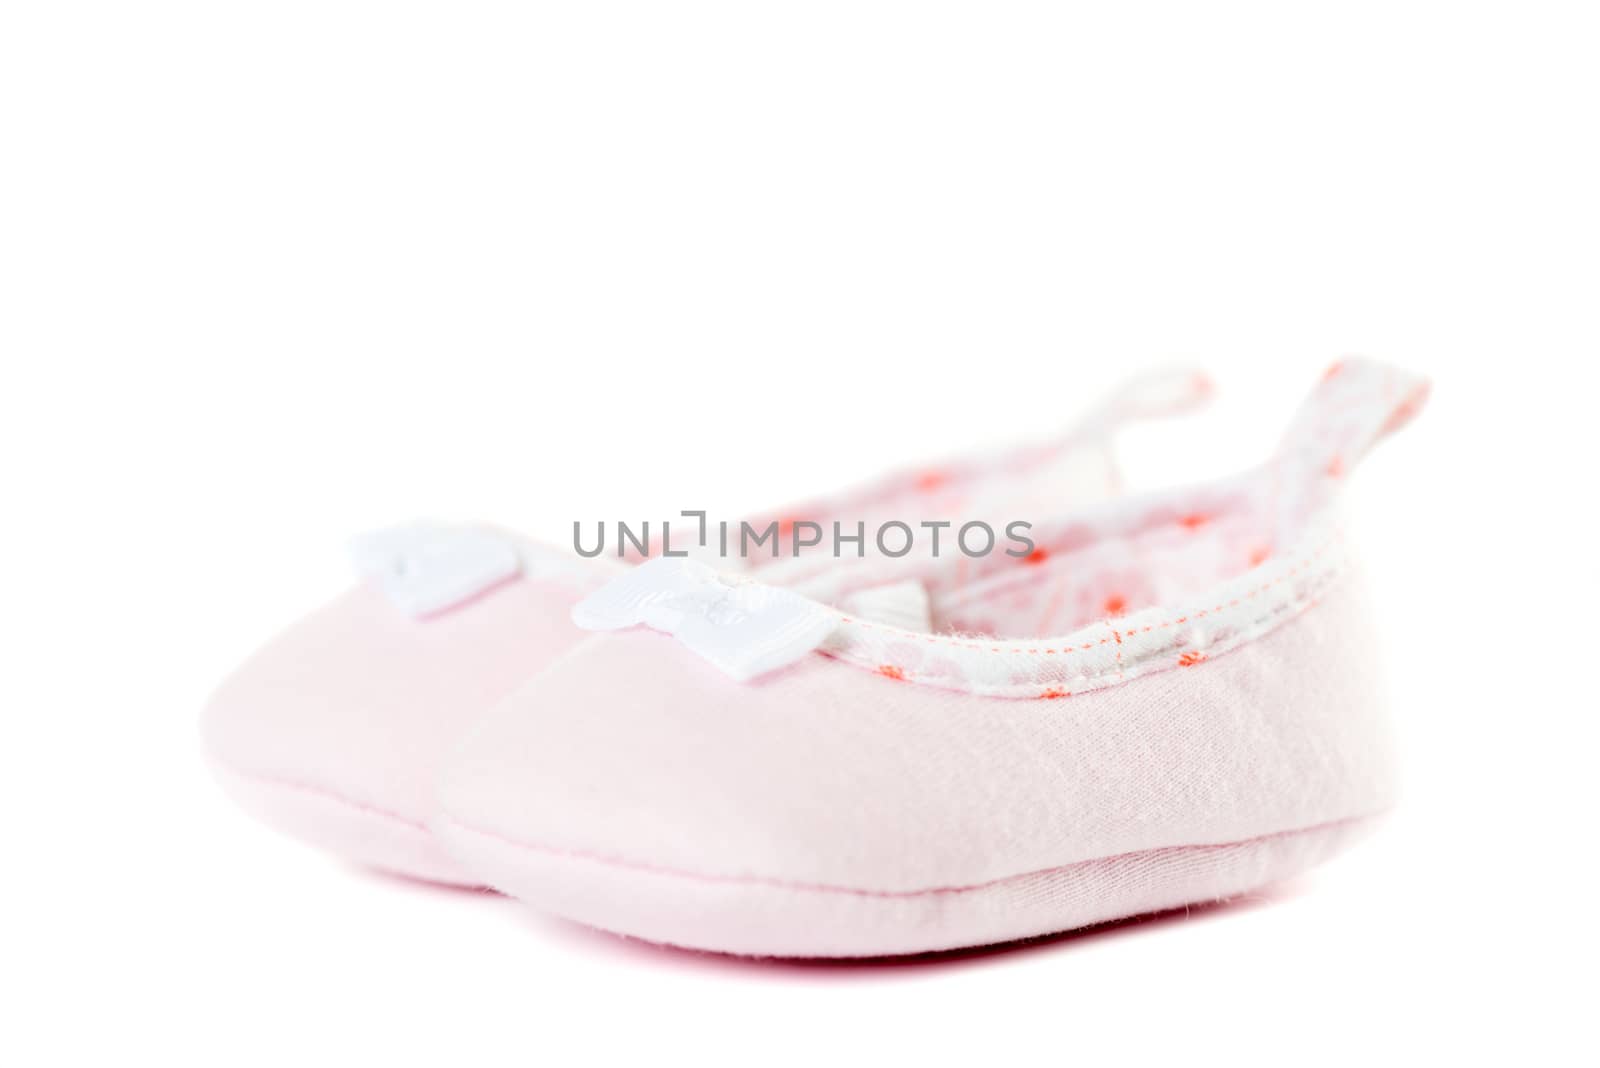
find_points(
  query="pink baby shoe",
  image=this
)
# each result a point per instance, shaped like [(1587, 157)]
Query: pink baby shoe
[(334, 732), (1171, 701)]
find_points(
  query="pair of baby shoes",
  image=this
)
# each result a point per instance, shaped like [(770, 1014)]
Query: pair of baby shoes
[(1145, 702)]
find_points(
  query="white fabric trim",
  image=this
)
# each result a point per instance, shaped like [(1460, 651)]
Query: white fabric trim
[(1109, 652), (1357, 403)]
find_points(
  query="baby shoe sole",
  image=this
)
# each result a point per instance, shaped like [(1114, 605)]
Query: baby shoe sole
[(349, 828), (750, 916)]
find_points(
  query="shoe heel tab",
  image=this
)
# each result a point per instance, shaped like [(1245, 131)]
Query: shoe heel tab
[(1357, 403)]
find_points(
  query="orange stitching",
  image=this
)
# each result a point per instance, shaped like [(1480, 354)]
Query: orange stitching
[(1239, 637)]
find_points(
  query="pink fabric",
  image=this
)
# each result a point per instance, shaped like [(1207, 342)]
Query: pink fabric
[(630, 770), (358, 832), (1215, 693), (785, 920), (334, 731)]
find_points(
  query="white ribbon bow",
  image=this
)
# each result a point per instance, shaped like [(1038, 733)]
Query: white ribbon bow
[(425, 568), (745, 629)]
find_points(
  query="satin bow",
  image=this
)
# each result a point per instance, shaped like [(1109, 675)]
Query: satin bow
[(743, 628), (426, 568)]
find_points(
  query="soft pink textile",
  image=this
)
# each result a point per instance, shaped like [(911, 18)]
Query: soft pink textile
[(362, 833), (826, 810), (794, 921), (334, 731), (1209, 723)]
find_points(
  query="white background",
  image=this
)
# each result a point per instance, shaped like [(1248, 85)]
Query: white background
[(271, 274)]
